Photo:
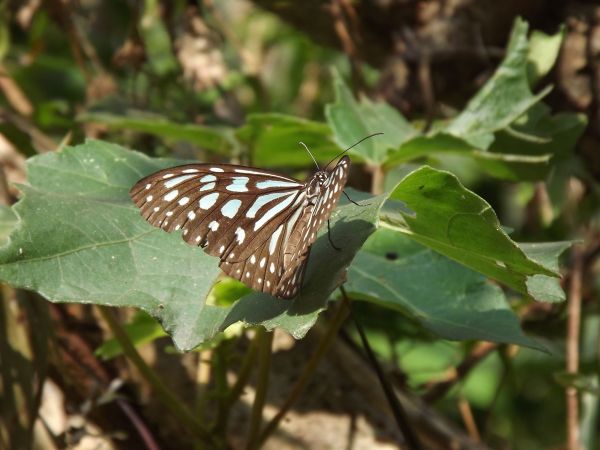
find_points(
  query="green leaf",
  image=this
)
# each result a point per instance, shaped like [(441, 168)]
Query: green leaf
[(454, 221), (8, 221), (543, 287), (81, 239), (274, 140), (141, 330), (508, 166), (543, 52), (351, 121), (351, 225), (538, 133), (448, 299), (216, 139), (504, 97)]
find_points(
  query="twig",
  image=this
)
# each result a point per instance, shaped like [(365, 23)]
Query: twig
[(140, 426), (572, 352), (5, 197), (341, 28), (427, 91), (467, 415), (162, 391), (265, 341), (412, 442), (244, 374), (202, 380), (324, 344), (438, 390)]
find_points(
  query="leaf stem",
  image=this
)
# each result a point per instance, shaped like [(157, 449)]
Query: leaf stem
[(334, 326), (165, 395), (264, 340)]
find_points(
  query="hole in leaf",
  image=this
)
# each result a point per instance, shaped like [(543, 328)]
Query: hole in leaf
[(392, 256)]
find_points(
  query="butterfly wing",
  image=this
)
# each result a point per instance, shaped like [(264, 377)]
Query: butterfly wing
[(259, 223), (304, 234), (233, 212)]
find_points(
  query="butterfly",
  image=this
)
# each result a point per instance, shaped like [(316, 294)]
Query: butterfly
[(259, 223)]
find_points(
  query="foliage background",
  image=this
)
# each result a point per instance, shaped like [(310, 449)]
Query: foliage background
[(244, 81)]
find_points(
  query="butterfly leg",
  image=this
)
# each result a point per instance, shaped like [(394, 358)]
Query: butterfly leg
[(352, 201), (329, 237)]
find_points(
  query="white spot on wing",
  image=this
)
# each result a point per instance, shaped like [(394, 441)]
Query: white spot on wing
[(183, 201), (216, 169), (190, 171), (214, 225), (272, 268), (208, 187), (177, 180), (149, 198), (272, 212), (262, 200), (208, 178), (231, 208), (208, 201), (268, 184), (191, 215), (262, 262), (238, 184), (241, 235), (171, 195), (274, 239)]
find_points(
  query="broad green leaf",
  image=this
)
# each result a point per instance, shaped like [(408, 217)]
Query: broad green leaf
[(543, 52), (543, 287), (8, 220), (274, 140), (216, 139), (504, 97), (507, 165), (81, 239), (141, 330), (351, 121), (451, 300), (538, 133), (351, 225), (454, 221)]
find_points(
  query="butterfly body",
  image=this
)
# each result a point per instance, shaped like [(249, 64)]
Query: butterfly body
[(259, 223)]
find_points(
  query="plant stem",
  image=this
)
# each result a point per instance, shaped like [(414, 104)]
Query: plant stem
[(572, 352), (334, 326), (264, 339), (244, 373), (166, 396), (412, 442), (378, 179), (221, 387)]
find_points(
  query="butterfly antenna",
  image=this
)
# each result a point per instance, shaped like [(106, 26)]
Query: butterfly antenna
[(311, 155), (352, 146)]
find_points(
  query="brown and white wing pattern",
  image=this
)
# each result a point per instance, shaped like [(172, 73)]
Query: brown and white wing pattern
[(254, 220)]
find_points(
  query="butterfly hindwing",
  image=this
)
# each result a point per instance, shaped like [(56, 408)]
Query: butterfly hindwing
[(260, 224)]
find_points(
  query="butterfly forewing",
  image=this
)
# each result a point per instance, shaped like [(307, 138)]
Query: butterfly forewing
[(259, 223)]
